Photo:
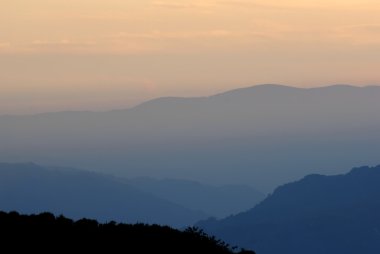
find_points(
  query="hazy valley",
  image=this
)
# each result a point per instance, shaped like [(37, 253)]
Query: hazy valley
[(261, 136), (212, 162)]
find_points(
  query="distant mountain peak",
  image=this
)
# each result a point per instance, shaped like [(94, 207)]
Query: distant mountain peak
[(257, 89)]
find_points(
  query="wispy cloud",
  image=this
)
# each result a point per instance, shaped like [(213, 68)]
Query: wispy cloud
[(366, 28), (64, 45), (194, 41), (368, 34), (5, 45), (116, 44), (47, 46), (216, 3), (256, 4), (160, 35), (301, 5), (182, 5)]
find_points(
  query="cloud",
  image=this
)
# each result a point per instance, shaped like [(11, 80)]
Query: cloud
[(363, 34), (50, 46), (256, 4), (107, 16), (194, 41), (366, 28), (131, 43), (321, 5), (163, 41), (217, 3), (63, 45), (161, 35), (5, 46), (181, 5)]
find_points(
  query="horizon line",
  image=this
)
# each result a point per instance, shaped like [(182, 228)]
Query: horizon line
[(192, 97)]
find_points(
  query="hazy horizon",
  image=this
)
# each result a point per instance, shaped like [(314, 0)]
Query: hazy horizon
[(105, 108), (95, 55), (261, 135)]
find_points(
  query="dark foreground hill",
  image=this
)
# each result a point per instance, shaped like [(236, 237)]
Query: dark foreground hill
[(316, 215), (45, 232)]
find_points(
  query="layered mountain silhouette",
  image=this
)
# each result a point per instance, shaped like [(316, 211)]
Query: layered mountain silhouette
[(29, 188), (218, 201), (318, 214), (47, 233), (262, 136)]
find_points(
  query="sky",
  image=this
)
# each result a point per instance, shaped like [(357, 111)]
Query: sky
[(58, 55)]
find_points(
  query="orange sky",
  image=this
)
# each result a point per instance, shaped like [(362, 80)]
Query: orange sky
[(102, 54)]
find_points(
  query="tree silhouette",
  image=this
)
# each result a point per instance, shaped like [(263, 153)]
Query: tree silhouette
[(45, 232)]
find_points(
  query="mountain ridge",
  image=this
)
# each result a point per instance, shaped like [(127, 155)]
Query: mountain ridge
[(202, 98), (262, 139), (299, 215), (31, 188)]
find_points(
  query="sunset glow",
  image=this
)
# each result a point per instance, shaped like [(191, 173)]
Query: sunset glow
[(99, 55)]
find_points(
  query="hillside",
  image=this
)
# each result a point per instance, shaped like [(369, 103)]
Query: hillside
[(318, 214), (218, 201), (29, 188)]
